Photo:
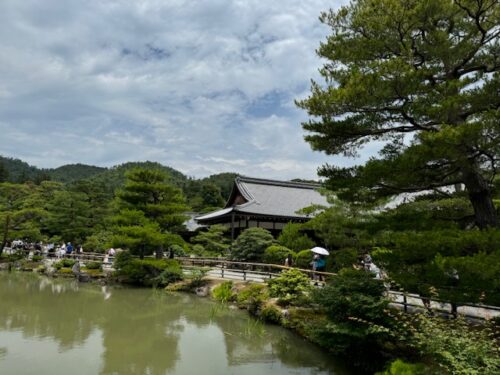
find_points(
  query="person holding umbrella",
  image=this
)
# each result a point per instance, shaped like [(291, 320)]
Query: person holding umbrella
[(319, 261)]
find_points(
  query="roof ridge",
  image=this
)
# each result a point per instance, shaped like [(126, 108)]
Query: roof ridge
[(265, 181)]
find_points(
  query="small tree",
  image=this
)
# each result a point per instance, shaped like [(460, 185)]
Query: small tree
[(251, 244), (213, 240), (292, 238), (358, 324), (150, 210)]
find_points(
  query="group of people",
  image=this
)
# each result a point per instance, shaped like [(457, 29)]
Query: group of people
[(66, 249)]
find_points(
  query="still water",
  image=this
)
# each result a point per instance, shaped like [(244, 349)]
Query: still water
[(51, 326)]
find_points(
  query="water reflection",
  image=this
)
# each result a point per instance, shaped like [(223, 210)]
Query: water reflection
[(138, 331)]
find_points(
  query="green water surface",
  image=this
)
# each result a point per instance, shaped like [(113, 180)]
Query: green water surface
[(53, 326)]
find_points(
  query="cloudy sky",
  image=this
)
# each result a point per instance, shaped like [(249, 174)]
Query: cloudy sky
[(202, 86)]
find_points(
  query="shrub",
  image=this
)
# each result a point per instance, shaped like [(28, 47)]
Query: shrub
[(196, 277), (37, 258), (122, 258), (271, 314), (252, 297), (358, 322), (290, 287), (456, 346), (93, 265), (64, 263), (343, 258), (276, 254), (292, 238), (251, 244), (304, 259), (214, 240), (400, 367), (147, 272), (224, 292), (171, 274)]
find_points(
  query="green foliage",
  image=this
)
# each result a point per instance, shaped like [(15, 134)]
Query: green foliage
[(251, 244), (98, 242), (396, 68), (456, 346), (343, 225), (64, 263), (122, 258), (224, 292), (358, 324), (147, 272), (197, 277), (343, 258), (461, 266), (20, 217), (291, 237), (400, 367), (252, 297), (271, 314), (37, 258), (290, 287), (276, 254), (150, 209), (303, 259), (214, 241), (93, 265), (69, 216)]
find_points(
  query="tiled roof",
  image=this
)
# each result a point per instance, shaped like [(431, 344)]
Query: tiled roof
[(273, 198)]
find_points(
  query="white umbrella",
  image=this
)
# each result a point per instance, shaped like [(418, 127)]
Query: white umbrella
[(320, 251)]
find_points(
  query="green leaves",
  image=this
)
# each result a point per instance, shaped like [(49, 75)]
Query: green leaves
[(429, 69)]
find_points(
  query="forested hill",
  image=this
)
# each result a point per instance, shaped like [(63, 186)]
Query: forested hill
[(74, 172), (202, 194)]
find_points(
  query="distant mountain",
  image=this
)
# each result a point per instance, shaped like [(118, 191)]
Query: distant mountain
[(114, 177), (20, 171), (74, 172), (201, 193)]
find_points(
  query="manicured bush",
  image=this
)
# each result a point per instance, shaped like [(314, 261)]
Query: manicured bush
[(252, 297), (224, 292), (271, 314), (292, 238), (147, 272), (290, 287), (304, 259), (64, 263), (37, 258), (251, 244), (93, 265), (358, 322), (276, 254)]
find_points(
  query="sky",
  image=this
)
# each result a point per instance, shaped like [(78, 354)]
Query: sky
[(202, 86)]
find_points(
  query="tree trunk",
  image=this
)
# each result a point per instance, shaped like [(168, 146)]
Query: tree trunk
[(480, 196), (141, 254), (5, 234), (159, 252)]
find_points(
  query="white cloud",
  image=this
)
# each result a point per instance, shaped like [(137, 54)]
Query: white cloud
[(204, 87)]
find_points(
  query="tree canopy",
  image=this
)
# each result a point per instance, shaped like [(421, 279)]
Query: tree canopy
[(421, 76)]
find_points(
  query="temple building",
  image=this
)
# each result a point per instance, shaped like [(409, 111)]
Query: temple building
[(263, 203)]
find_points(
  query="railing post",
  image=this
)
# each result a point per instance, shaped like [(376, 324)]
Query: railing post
[(222, 270), (244, 275), (405, 303)]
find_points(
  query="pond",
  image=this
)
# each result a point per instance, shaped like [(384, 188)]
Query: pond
[(54, 326)]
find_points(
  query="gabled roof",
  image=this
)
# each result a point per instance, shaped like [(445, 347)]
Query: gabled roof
[(269, 198)]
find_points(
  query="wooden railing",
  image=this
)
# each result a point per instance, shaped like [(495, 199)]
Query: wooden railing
[(248, 271)]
